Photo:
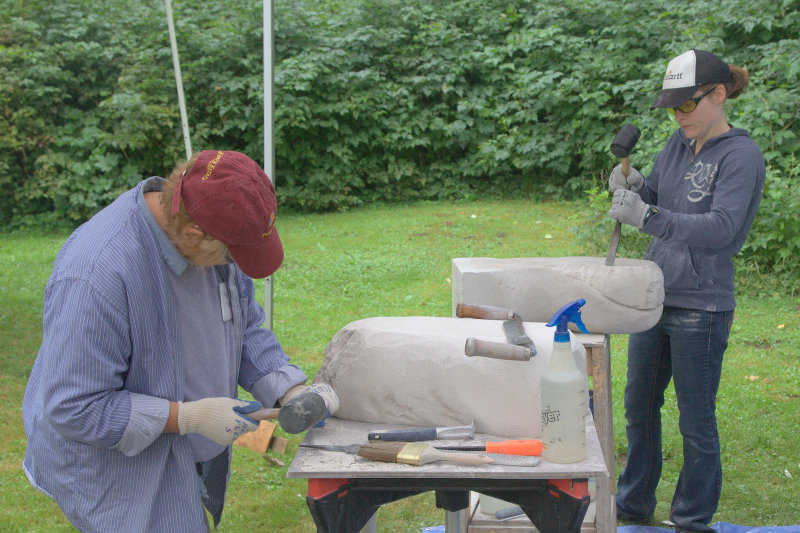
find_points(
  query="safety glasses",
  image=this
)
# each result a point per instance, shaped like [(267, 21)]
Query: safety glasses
[(691, 103)]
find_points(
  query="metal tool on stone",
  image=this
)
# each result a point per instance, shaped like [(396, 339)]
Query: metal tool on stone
[(622, 146), (420, 434), (520, 347)]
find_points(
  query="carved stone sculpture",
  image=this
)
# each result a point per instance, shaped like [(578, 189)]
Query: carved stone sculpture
[(624, 298)]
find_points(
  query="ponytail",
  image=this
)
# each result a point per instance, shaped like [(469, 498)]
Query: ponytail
[(738, 82)]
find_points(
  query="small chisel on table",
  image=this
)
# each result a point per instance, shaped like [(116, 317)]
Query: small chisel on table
[(420, 434)]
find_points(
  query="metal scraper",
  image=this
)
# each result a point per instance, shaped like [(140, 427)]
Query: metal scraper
[(515, 333)]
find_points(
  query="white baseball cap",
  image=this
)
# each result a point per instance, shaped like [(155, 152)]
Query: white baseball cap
[(686, 73)]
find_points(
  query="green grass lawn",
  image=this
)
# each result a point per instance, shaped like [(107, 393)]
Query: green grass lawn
[(396, 261)]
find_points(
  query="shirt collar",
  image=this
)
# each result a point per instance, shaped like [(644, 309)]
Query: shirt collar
[(174, 259)]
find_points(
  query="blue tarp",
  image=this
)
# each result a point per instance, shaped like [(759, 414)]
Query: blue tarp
[(719, 527)]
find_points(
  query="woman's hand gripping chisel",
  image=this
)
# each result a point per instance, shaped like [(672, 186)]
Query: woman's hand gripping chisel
[(622, 146)]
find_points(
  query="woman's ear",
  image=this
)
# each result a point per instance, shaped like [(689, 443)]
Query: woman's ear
[(720, 94)]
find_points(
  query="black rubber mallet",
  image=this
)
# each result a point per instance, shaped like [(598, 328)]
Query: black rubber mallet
[(299, 414), (622, 146)]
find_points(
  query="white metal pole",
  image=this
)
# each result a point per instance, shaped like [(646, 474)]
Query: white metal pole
[(269, 152), (178, 81)]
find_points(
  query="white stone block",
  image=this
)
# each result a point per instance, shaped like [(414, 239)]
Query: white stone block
[(413, 370), (624, 298)]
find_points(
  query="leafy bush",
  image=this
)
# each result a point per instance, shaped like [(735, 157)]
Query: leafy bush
[(378, 101)]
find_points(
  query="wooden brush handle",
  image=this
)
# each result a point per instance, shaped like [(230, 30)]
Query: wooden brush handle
[(486, 312)]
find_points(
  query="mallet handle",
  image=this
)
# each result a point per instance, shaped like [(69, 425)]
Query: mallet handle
[(496, 350), (264, 414), (486, 312)]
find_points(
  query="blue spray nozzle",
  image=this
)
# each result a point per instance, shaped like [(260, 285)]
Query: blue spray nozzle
[(571, 312)]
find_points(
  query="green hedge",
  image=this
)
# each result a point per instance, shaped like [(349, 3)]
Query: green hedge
[(378, 100)]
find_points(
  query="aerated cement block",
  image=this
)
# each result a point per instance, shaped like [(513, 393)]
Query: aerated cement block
[(624, 298)]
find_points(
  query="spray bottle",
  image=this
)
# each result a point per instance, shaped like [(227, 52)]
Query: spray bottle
[(563, 389)]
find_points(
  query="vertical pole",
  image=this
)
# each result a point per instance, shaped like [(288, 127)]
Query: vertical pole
[(176, 65), (269, 153), (456, 521)]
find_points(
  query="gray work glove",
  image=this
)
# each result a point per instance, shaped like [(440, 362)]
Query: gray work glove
[(617, 180), (628, 208), (305, 407), (220, 419)]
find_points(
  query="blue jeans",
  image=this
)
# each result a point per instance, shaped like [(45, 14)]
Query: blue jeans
[(686, 345)]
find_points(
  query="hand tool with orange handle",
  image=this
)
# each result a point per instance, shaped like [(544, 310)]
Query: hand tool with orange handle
[(507, 447)]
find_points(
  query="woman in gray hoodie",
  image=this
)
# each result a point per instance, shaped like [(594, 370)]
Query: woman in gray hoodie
[(698, 203)]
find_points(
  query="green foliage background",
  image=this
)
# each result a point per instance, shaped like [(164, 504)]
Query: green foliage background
[(379, 100)]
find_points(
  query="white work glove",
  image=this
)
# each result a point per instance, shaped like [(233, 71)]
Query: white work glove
[(219, 419), (628, 208), (305, 407), (328, 394), (617, 180)]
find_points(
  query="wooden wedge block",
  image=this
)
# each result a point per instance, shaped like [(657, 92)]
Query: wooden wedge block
[(278, 444), (258, 440)]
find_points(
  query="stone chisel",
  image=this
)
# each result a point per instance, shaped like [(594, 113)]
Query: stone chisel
[(515, 333), (622, 146), (512, 325), (420, 434)]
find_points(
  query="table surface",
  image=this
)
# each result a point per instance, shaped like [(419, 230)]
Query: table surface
[(316, 463)]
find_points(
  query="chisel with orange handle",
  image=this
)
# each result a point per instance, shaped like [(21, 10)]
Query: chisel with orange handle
[(507, 447)]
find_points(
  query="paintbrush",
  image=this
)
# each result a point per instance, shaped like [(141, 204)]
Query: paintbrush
[(415, 453), (497, 459)]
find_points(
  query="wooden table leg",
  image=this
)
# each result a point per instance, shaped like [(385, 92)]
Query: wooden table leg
[(605, 497)]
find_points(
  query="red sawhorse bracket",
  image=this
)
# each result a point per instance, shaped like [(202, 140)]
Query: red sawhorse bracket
[(346, 505)]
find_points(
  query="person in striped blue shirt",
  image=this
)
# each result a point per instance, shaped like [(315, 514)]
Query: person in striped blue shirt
[(150, 325)]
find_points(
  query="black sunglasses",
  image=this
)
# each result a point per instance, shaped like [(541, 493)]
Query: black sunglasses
[(691, 103)]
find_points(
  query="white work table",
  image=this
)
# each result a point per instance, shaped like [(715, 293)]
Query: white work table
[(327, 470)]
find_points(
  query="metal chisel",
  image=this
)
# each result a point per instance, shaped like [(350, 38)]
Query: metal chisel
[(420, 434)]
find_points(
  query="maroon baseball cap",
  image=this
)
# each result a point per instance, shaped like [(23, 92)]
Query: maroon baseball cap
[(230, 197)]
